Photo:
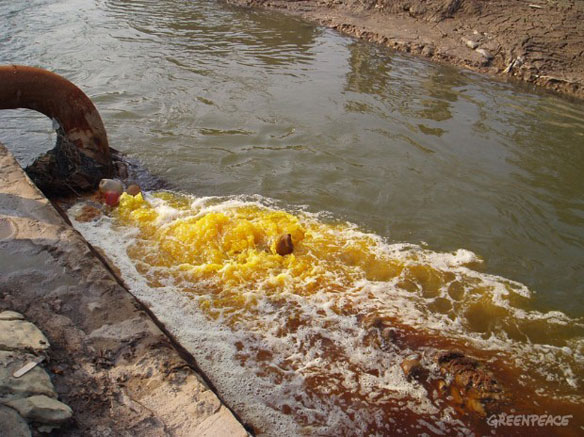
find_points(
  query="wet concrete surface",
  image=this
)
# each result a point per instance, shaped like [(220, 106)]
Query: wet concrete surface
[(109, 360)]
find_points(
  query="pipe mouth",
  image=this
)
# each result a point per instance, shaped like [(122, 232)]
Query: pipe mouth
[(81, 156)]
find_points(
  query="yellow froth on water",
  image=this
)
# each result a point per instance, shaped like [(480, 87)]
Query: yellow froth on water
[(333, 298), (236, 247), (224, 254)]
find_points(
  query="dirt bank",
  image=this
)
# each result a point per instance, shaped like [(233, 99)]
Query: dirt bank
[(539, 41)]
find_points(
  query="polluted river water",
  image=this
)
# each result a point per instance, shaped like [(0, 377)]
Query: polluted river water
[(430, 210)]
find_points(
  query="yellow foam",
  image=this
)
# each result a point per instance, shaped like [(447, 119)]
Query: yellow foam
[(226, 256), (222, 254), (236, 247)]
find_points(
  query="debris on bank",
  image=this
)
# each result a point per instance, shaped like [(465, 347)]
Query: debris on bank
[(27, 395)]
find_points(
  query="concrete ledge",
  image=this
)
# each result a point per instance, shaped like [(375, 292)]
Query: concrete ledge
[(108, 360)]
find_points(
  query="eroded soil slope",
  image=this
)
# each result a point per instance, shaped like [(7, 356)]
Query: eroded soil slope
[(539, 41)]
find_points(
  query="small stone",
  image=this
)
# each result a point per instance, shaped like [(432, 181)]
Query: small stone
[(442, 386), (42, 409), (470, 43), (485, 54), (428, 51), (114, 185), (59, 369), (284, 245), (411, 367), (11, 424), (133, 190), (7, 228), (389, 334), (20, 334), (11, 315)]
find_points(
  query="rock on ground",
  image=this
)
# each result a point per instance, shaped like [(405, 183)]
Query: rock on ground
[(20, 334), (11, 424), (42, 409), (35, 382), (11, 315)]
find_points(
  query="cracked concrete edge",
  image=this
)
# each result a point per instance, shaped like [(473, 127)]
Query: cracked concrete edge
[(220, 424), (110, 359)]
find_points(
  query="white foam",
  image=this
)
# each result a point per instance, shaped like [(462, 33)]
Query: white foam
[(302, 354)]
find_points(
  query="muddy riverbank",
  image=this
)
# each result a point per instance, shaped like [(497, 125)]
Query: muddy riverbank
[(538, 42)]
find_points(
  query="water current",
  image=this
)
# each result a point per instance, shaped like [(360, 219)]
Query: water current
[(419, 196)]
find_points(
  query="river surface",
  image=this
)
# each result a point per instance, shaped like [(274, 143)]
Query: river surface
[(222, 101)]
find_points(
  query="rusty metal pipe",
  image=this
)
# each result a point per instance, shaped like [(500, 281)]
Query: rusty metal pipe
[(60, 100)]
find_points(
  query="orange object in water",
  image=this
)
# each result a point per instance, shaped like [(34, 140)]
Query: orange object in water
[(112, 198)]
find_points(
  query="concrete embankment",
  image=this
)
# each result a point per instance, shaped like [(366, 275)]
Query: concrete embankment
[(108, 359)]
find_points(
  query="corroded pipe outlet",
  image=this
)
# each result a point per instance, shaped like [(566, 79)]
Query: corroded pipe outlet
[(82, 155)]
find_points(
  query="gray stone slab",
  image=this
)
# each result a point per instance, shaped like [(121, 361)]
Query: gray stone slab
[(42, 409), (11, 315), (35, 382), (11, 424), (20, 334)]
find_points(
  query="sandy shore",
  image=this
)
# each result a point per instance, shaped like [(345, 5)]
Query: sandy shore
[(539, 42)]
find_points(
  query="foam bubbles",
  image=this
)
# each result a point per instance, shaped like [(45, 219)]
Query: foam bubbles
[(311, 342)]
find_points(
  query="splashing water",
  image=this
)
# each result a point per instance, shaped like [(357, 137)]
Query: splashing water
[(310, 342)]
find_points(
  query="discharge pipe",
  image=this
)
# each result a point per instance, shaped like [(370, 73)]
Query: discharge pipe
[(81, 157)]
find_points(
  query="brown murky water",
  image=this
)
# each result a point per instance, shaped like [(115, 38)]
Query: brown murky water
[(429, 162)]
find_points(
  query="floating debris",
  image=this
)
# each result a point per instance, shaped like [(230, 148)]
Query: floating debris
[(284, 245), (133, 190), (112, 185)]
